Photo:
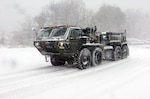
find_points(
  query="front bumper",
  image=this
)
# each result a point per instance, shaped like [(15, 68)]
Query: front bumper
[(51, 48)]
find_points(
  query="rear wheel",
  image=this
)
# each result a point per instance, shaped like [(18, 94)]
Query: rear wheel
[(96, 56), (117, 53), (56, 62), (125, 51), (84, 59)]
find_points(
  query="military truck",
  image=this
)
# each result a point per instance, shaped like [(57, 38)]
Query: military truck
[(80, 47)]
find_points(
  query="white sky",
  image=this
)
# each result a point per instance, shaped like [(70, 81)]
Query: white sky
[(13, 11)]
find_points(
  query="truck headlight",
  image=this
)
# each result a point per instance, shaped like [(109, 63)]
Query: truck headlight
[(61, 45), (37, 43)]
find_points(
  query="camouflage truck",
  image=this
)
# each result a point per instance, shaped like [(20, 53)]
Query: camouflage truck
[(80, 47)]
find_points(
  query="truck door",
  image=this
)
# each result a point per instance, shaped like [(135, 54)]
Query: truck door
[(74, 40)]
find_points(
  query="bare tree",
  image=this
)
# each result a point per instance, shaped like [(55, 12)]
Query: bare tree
[(40, 20), (109, 18), (64, 12), (24, 35), (2, 38)]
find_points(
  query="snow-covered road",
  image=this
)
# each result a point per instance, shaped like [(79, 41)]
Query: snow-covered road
[(27, 76)]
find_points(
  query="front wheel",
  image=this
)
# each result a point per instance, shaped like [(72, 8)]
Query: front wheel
[(84, 59), (56, 62), (96, 57)]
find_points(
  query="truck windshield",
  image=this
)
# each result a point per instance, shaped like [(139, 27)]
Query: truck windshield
[(58, 32), (44, 33)]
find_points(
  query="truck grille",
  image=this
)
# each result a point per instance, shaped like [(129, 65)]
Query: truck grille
[(49, 46)]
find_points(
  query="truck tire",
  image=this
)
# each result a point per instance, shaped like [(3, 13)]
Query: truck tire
[(84, 59), (96, 56), (117, 53), (56, 62), (125, 51)]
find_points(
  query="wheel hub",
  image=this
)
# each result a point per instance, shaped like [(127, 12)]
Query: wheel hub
[(85, 60)]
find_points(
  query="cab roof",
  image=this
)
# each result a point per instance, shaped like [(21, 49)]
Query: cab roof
[(67, 26)]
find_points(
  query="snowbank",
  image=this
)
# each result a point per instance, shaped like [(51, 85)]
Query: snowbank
[(19, 59), (135, 41)]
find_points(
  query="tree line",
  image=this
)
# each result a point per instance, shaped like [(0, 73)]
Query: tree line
[(74, 12)]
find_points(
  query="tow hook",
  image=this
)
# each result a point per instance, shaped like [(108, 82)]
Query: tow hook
[(47, 58)]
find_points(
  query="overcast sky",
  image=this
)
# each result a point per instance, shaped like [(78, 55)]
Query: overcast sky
[(13, 11)]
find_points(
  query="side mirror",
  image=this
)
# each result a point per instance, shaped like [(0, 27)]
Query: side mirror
[(33, 29)]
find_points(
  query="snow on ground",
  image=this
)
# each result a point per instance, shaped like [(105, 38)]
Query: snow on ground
[(135, 41), (124, 79), (19, 59)]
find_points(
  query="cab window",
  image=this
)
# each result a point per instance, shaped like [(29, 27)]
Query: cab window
[(75, 33)]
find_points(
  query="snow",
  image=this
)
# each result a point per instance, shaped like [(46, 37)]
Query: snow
[(135, 41), (19, 59), (24, 74)]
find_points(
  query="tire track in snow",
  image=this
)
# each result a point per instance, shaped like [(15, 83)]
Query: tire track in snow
[(32, 73), (108, 90), (53, 79), (119, 79), (41, 71), (33, 80)]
